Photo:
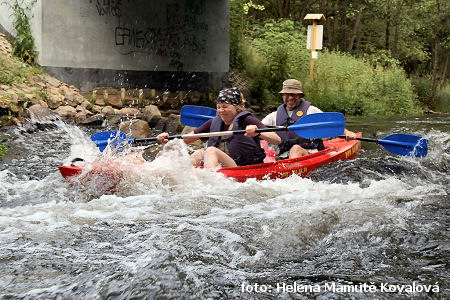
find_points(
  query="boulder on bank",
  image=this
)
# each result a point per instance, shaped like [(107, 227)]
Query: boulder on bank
[(40, 113), (152, 115), (136, 129), (66, 111), (93, 120)]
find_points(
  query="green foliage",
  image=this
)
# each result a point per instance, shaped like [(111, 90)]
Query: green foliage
[(373, 84), (250, 4), (13, 71), (3, 149), (6, 77), (439, 102), (412, 34), (269, 55), (421, 85), (239, 24), (236, 35), (443, 100), (42, 92), (23, 42), (381, 58), (351, 86)]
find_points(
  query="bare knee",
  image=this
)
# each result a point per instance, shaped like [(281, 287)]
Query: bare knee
[(215, 156), (211, 150), (297, 151), (197, 157)]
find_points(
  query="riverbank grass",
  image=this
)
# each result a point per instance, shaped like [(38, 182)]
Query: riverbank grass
[(14, 72)]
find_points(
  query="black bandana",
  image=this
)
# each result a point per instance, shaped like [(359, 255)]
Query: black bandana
[(230, 96)]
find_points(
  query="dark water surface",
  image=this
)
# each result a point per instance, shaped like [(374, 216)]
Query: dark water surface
[(373, 227)]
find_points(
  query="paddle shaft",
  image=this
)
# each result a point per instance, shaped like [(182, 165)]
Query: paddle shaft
[(384, 142), (208, 134), (361, 139)]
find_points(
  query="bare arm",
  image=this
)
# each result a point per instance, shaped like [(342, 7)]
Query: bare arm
[(162, 137), (270, 137), (192, 139)]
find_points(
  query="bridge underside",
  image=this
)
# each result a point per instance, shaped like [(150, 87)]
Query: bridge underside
[(164, 44)]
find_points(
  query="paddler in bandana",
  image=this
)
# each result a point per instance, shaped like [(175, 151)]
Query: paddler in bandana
[(292, 109), (233, 150)]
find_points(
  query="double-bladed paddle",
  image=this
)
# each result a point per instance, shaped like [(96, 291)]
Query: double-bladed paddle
[(195, 116), (314, 126), (397, 143), (401, 144), (320, 126)]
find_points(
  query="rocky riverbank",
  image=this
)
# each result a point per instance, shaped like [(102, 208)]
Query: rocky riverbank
[(28, 92)]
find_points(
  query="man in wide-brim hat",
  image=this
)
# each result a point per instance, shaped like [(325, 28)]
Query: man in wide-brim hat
[(292, 109)]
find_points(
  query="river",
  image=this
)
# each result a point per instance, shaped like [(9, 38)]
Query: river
[(373, 227)]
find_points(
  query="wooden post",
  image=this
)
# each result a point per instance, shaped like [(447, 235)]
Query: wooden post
[(315, 39)]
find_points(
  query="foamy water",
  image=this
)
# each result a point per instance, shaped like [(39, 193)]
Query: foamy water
[(173, 231)]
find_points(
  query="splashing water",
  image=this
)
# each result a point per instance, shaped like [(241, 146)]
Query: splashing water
[(173, 231)]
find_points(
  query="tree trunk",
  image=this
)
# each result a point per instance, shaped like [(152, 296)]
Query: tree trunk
[(444, 74), (323, 4), (329, 28), (398, 20), (355, 29), (436, 53), (435, 59), (335, 23), (283, 8), (344, 32), (388, 25), (303, 11), (286, 8)]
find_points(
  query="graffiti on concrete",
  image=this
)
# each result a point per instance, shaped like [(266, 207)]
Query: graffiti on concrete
[(158, 40), (180, 36), (112, 2), (108, 8)]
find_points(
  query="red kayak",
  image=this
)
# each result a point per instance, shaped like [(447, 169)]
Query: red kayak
[(335, 149)]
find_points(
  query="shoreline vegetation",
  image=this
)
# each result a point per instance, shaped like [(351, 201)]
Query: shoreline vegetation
[(265, 49), (371, 85)]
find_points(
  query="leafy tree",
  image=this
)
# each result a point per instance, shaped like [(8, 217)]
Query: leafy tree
[(412, 34)]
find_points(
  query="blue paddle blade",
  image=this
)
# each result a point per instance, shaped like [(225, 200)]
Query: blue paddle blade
[(195, 116), (101, 139), (318, 126), (405, 144)]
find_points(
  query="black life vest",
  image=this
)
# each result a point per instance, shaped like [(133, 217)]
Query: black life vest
[(242, 149), (289, 138)]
